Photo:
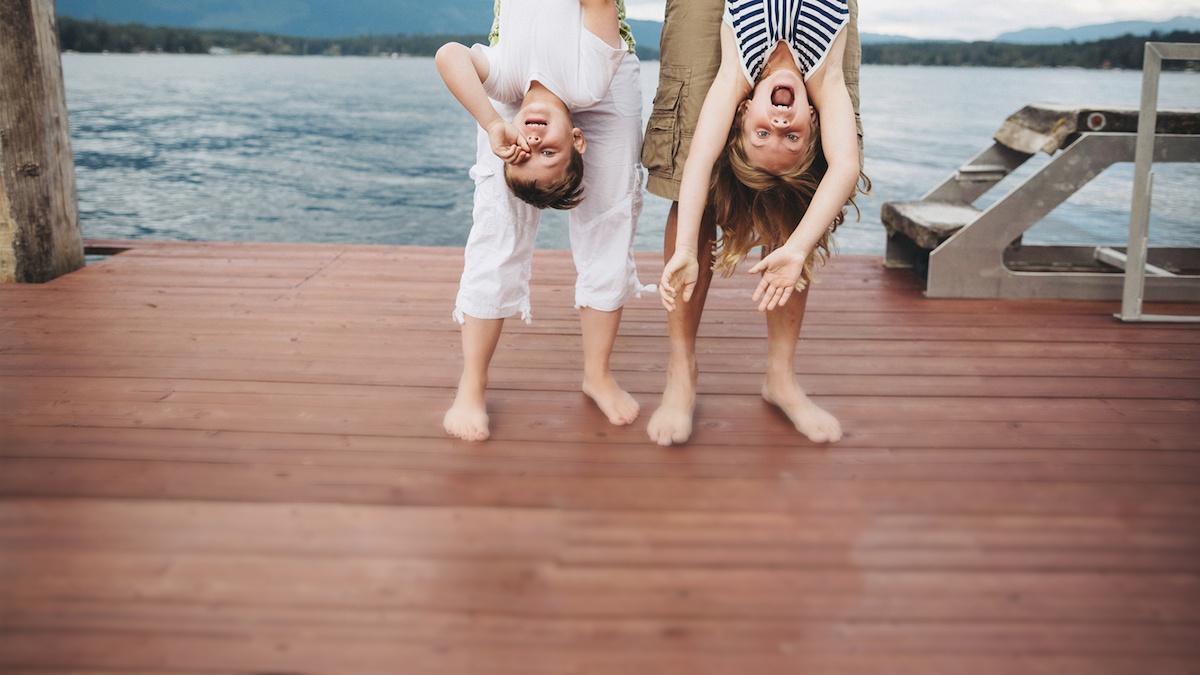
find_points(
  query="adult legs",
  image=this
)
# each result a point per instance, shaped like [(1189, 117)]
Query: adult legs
[(672, 422), (851, 65), (690, 56)]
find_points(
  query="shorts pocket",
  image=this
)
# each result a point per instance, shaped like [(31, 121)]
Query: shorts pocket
[(662, 138)]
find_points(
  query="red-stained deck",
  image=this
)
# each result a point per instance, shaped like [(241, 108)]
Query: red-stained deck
[(228, 458)]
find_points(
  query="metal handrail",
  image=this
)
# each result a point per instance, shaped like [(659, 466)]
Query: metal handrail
[(1143, 182)]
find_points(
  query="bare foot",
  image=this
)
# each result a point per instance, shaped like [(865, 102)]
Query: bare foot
[(467, 418), (809, 419), (617, 405), (672, 422)]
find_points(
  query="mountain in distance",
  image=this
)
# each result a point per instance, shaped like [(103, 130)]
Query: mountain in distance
[(879, 39), (1104, 31), (324, 19)]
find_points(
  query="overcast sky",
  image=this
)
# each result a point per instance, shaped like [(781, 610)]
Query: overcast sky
[(982, 19)]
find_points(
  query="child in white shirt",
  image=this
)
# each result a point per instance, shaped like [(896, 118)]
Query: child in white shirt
[(498, 256)]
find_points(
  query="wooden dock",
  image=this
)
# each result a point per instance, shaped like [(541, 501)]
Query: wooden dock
[(228, 458)]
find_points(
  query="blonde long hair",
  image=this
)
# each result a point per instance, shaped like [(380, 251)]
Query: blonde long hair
[(756, 208)]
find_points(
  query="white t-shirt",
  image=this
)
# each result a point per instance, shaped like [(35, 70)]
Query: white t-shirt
[(545, 40)]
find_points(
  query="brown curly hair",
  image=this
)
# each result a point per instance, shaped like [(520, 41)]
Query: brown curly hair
[(564, 194)]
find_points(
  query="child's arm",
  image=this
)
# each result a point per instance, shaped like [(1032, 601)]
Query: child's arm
[(712, 130), (464, 71), (600, 19), (839, 140)]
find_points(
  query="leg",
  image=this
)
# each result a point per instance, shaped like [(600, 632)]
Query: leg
[(672, 422), (689, 58), (495, 284), (599, 335), (602, 230), (780, 387), (467, 418), (851, 64)]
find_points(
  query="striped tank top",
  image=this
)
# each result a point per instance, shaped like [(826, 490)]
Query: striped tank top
[(808, 27)]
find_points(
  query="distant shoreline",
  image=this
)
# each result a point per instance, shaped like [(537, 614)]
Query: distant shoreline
[(397, 56), (93, 36)]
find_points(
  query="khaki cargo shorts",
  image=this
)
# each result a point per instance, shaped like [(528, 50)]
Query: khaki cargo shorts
[(689, 57)]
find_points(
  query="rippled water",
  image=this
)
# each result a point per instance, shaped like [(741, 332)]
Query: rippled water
[(375, 151)]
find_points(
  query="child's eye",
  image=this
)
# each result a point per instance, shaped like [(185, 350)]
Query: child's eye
[(547, 153), (762, 134), (793, 137)]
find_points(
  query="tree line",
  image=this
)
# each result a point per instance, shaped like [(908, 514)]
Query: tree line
[(99, 36), (1124, 52)]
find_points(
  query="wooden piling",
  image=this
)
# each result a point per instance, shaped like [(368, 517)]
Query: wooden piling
[(40, 237)]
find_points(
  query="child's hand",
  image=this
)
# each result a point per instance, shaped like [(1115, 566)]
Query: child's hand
[(781, 272), (680, 274), (507, 143)]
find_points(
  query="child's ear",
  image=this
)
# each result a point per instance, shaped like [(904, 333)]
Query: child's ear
[(740, 112), (578, 141)]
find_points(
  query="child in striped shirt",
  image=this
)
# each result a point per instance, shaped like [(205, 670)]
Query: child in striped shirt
[(759, 153), (757, 143)]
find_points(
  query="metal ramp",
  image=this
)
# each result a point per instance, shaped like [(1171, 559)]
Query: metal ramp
[(966, 252)]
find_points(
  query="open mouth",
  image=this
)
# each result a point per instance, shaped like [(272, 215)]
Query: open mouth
[(783, 97), (535, 122)]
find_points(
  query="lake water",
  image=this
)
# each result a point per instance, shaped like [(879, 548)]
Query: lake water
[(376, 151)]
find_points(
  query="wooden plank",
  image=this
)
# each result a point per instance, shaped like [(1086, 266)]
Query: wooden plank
[(424, 421), (322, 592), (546, 352), (70, 389), (927, 224), (1046, 127), (281, 650), (1042, 556), (439, 457), (520, 377), (999, 463), (787, 490)]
